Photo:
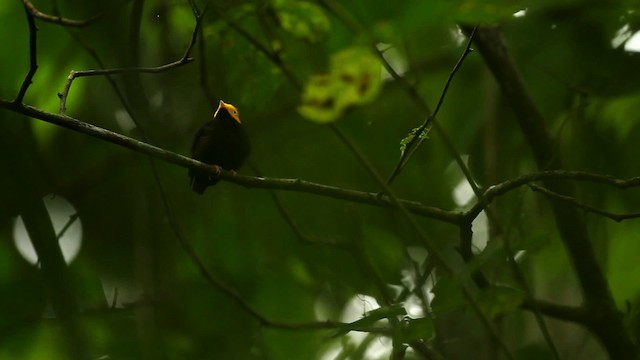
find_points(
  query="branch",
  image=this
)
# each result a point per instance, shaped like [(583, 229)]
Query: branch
[(33, 61), (246, 181), (587, 208), (59, 19)]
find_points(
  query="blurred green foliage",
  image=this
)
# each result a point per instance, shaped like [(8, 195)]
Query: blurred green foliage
[(324, 69)]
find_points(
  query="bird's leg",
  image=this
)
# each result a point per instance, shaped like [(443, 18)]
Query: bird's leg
[(217, 175)]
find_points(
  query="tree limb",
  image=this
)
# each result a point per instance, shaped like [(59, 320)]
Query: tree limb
[(246, 181), (607, 321)]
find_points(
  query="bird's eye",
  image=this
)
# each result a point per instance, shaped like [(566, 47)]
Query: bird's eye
[(235, 112)]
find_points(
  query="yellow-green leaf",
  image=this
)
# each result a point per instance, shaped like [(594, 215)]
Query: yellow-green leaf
[(303, 19), (353, 79), (407, 139), (414, 330), (497, 300)]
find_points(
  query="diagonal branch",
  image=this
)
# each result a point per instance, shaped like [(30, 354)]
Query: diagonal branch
[(247, 181), (33, 60), (417, 138)]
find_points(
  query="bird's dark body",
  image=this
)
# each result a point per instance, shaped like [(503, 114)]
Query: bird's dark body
[(222, 141)]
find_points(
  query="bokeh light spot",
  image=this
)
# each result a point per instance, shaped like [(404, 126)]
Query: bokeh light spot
[(66, 224)]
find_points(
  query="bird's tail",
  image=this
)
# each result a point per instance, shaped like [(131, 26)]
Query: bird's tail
[(200, 182)]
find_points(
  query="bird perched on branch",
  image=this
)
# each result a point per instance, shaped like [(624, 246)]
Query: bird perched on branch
[(222, 141)]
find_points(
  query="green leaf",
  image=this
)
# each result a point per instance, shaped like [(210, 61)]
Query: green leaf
[(499, 299), (386, 312), (303, 19), (447, 296), (383, 250), (354, 79), (407, 139), (413, 330)]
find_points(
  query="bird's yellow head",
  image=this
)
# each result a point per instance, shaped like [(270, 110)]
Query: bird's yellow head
[(232, 110)]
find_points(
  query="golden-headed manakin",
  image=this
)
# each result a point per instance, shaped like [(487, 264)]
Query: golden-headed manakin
[(222, 141)]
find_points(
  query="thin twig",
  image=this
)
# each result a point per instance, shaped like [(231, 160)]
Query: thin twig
[(286, 216), (417, 139), (185, 59), (92, 52), (199, 16), (59, 19), (587, 208), (203, 72), (145, 70), (499, 189), (33, 60), (528, 294), (67, 225)]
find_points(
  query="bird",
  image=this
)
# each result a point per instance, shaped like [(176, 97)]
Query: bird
[(222, 141)]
